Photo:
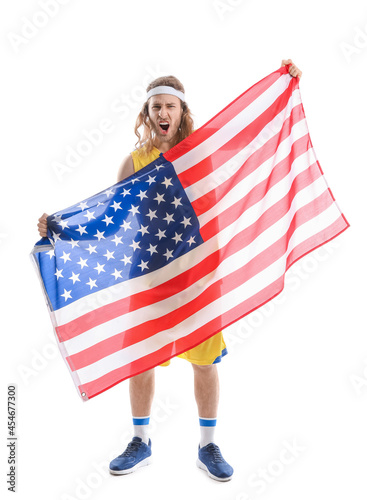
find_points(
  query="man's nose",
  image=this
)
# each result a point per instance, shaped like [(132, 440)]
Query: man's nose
[(163, 112)]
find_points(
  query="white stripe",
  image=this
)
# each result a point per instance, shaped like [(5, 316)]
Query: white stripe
[(233, 127), (214, 309), (233, 263)]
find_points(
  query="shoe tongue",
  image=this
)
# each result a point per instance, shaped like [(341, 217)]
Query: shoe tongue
[(137, 439)]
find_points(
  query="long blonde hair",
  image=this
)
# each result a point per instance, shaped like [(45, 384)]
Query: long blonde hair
[(146, 140)]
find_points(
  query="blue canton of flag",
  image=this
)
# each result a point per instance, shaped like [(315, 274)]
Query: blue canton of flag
[(133, 228)]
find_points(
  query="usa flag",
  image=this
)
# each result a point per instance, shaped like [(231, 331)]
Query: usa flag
[(202, 236)]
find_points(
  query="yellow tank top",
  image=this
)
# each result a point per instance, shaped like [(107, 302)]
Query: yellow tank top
[(141, 159)]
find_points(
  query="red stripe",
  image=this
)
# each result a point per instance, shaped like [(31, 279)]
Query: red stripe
[(225, 115), (213, 292), (280, 170), (187, 278)]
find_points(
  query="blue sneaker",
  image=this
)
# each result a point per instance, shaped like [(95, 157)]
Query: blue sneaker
[(211, 460), (137, 454)]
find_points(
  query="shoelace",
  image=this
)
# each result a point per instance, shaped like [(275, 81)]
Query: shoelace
[(213, 448), (131, 448)]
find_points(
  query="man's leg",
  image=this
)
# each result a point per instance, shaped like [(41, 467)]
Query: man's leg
[(206, 385), (142, 393), (138, 452)]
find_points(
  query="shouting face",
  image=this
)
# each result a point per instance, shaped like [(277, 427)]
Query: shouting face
[(165, 114)]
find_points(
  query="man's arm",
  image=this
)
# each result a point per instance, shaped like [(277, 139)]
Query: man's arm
[(126, 168)]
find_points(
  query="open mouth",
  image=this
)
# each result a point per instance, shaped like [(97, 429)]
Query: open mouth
[(164, 126)]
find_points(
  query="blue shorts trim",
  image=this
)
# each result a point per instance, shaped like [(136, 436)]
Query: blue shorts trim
[(219, 358)]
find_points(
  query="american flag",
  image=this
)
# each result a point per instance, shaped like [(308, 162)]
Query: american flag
[(202, 236)]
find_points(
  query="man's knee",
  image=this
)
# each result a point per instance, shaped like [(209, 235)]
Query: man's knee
[(204, 368)]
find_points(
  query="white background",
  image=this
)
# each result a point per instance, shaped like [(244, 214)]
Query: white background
[(296, 374)]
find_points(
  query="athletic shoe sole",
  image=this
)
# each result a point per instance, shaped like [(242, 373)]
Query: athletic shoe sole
[(201, 465), (146, 461)]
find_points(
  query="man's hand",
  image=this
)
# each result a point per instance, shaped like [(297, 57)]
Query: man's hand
[(42, 225), (293, 70)]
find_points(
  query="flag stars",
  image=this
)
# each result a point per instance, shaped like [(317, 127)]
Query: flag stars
[(66, 294), (83, 263), (100, 235), (74, 277), (152, 214), (186, 222), (177, 237), (161, 234), (100, 268), (126, 225), (91, 249), (92, 284), (135, 245), (65, 257), (109, 255), (56, 236), (82, 230), (152, 249), (108, 220), (116, 274), (143, 265), (142, 195), (134, 210), (126, 260), (168, 254), (159, 198), (143, 230), (64, 224), (176, 202), (83, 205), (126, 192), (151, 180), (116, 206), (167, 182), (58, 274), (73, 243), (89, 215), (117, 240), (191, 241), (51, 253), (109, 192), (169, 218)]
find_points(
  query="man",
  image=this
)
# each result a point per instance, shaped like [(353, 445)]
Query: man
[(166, 120)]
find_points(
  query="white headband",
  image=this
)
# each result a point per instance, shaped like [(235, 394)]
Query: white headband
[(163, 89)]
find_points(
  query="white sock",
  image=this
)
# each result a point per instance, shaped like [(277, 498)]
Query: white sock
[(141, 428), (207, 429)]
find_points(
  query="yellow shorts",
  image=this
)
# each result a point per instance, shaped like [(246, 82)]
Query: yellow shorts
[(206, 353)]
